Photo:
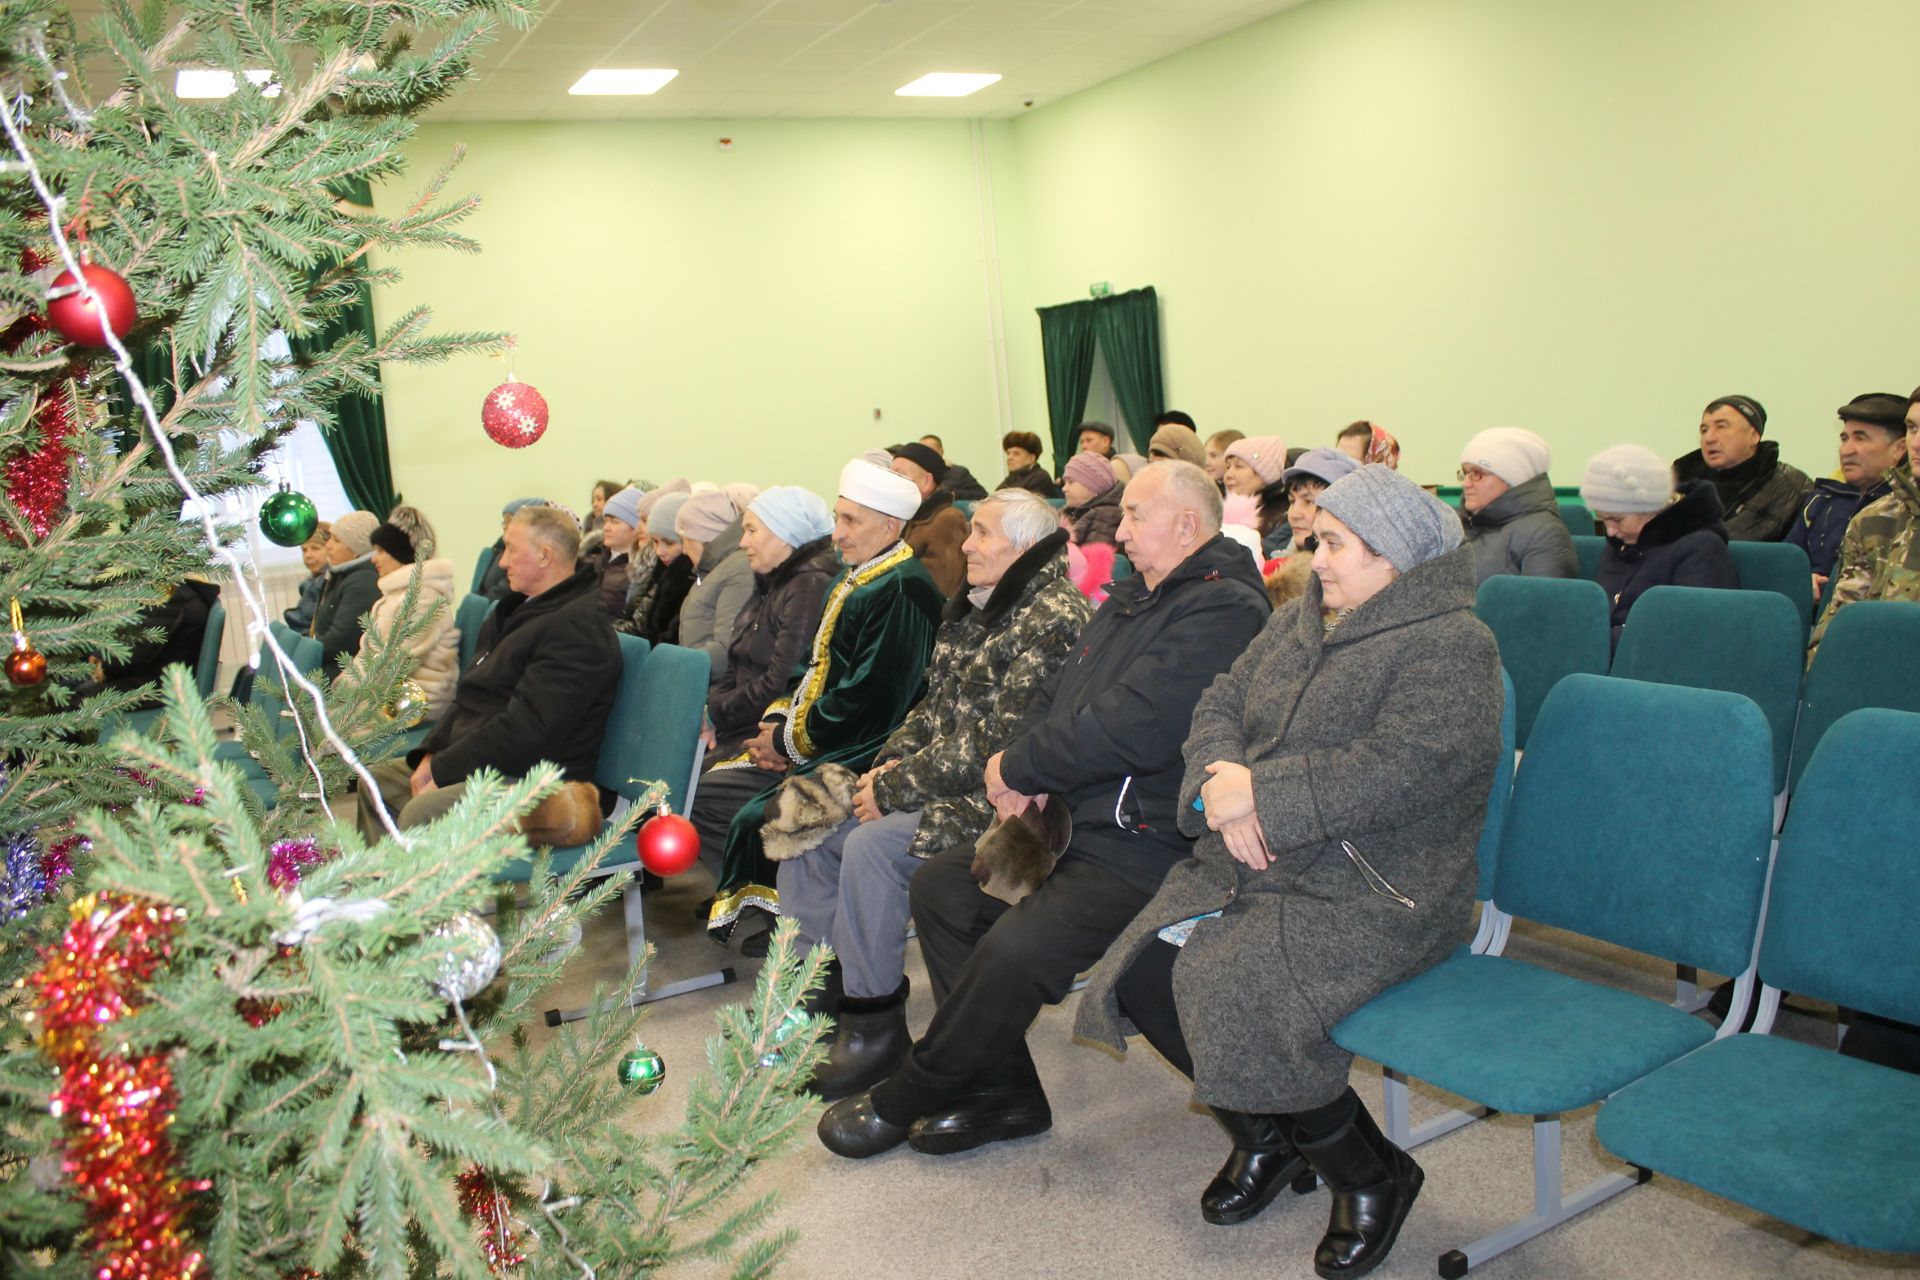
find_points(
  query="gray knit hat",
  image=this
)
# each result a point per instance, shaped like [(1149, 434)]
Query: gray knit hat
[(355, 531), (1627, 479), (1393, 515)]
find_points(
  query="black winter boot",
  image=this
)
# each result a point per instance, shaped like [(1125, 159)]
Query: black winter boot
[(827, 999), (870, 1041), (1001, 1103), (1373, 1184), (1262, 1162)]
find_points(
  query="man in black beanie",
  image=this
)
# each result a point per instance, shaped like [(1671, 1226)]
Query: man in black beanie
[(1760, 494)]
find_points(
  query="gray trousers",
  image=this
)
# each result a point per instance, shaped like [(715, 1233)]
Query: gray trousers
[(851, 893)]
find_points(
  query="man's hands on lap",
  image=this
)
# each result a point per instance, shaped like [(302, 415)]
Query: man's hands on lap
[(762, 751)]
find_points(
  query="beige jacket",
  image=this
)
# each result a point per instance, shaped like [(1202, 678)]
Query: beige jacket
[(436, 647)]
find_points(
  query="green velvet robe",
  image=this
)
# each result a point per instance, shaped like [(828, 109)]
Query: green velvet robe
[(864, 672)]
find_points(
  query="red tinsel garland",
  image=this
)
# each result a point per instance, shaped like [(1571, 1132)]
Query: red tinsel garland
[(36, 480), (117, 1106), (484, 1203)]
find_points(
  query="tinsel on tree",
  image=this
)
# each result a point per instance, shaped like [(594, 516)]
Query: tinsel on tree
[(237, 1039)]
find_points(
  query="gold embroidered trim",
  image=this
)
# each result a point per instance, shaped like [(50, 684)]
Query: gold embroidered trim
[(799, 745), (727, 909)]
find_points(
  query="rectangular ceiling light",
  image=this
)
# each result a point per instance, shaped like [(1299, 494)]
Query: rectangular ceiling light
[(947, 84), (623, 80), (205, 82)]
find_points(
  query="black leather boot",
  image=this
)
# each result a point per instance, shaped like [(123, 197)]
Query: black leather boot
[(1262, 1162), (870, 1041), (1373, 1184), (869, 1123), (1001, 1103)]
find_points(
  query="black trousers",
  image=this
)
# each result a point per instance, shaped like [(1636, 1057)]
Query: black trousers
[(721, 794), (993, 967), (1145, 992)]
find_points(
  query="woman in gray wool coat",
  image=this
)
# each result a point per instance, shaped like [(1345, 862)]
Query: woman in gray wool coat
[(1336, 777)]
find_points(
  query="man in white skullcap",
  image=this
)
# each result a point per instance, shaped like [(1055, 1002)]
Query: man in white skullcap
[(864, 671)]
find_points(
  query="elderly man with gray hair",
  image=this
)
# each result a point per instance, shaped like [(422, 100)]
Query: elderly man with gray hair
[(1102, 740), (999, 640)]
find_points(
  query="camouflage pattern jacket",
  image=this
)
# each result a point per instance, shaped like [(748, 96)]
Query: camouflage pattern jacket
[(1878, 557), (988, 663)]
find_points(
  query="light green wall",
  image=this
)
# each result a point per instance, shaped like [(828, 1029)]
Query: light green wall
[(725, 316), (1587, 217)]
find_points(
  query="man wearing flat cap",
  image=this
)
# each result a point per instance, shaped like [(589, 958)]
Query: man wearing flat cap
[(1873, 441), (863, 672), (938, 527)]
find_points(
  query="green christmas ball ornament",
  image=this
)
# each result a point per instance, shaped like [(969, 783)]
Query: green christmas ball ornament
[(795, 1019), (288, 519), (643, 1070)]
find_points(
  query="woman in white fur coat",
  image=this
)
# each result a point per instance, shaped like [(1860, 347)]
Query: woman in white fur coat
[(436, 646)]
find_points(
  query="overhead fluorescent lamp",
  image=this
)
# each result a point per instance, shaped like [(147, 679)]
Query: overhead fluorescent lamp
[(947, 84), (205, 82), (603, 81)]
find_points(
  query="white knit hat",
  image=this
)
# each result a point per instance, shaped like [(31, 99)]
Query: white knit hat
[(880, 489), (1514, 454), (1625, 480)]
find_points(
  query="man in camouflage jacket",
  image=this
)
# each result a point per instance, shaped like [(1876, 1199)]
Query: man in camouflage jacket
[(999, 641), (1878, 558)]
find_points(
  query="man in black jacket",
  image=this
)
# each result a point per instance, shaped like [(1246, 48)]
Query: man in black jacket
[(1103, 737), (545, 670)]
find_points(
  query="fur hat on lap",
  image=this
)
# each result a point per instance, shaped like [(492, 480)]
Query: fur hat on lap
[(806, 810)]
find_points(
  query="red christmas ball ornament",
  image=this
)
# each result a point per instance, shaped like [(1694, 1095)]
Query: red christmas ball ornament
[(668, 845), (26, 665), (74, 315), (514, 414)]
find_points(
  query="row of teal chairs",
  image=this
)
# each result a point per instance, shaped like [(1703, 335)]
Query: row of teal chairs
[(1763, 566), (1681, 873), (1746, 642)]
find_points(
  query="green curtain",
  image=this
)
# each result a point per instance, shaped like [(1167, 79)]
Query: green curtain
[(358, 438), (1128, 328), (1066, 349)]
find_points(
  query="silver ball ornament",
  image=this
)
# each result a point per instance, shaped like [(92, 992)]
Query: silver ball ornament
[(472, 958)]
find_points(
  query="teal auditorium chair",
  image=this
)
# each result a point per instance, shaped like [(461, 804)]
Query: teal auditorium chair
[(472, 612), (304, 651), (481, 564), (1576, 517), (1547, 628), (653, 733), (1866, 659), (1588, 546), (1799, 1133), (1674, 867), (1746, 642), (1775, 566)]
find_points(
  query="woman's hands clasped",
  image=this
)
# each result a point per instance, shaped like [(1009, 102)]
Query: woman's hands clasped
[(1228, 800)]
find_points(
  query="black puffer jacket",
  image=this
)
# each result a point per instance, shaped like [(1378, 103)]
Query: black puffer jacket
[(182, 621), (544, 673), (1759, 498), (770, 639), (655, 616), (1105, 732), (1683, 546), (350, 591)]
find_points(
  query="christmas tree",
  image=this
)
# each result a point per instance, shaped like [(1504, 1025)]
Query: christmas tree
[(237, 1039)]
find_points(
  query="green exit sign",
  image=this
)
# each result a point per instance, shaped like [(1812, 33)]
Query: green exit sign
[(1100, 289)]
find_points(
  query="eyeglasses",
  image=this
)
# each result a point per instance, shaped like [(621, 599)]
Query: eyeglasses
[(1475, 474)]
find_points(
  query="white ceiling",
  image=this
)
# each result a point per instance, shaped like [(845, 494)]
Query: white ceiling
[(761, 58)]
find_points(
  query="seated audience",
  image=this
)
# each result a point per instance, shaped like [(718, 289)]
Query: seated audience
[(181, 619), (1507, 504), (1873, 441), (1760, 495), (1023, 465), (1382, 724), (1092, 513), (672, 575), (313, 554), (643, 564), (493, 583), (1305, 478), (435, 646), (1101, 738), (1658, 534), (619, 534), (1877, 557), (785, 537), (938, 528), (1176, 444), (1253, 469), (1127, 465), (959, 482), (1366, 442), (709, 526), (864, 672), (1011, 630), (1094, 438), (597, 504), (1217, 454), (351, 588), (546, 667)]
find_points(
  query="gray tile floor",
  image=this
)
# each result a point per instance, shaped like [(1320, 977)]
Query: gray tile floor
[(1111, 1192)]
